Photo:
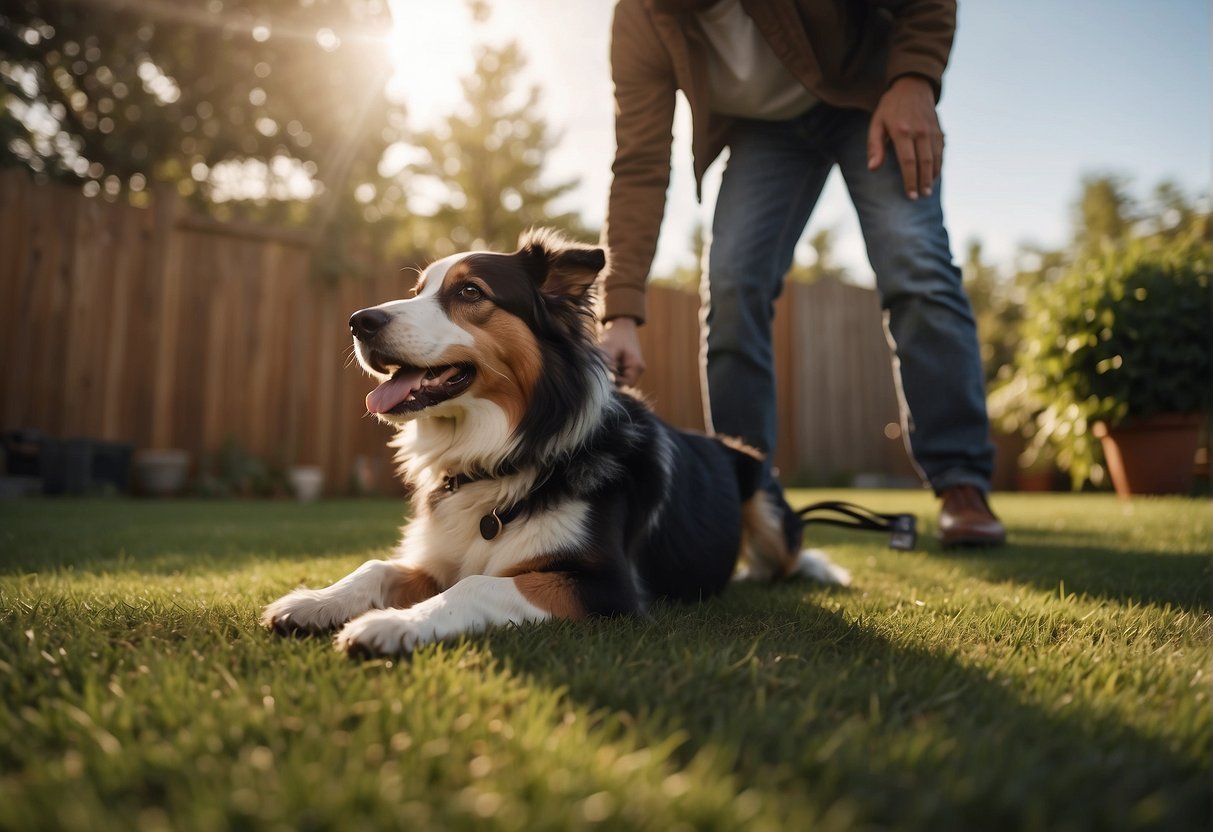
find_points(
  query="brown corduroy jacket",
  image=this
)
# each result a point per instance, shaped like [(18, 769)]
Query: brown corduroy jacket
[(846, 52)]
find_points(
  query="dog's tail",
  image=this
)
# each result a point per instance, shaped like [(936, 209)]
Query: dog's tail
[(766, 550), (770, 543)]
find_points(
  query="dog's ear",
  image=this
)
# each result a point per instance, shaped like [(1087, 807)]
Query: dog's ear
[(573, 271), (559, 267)]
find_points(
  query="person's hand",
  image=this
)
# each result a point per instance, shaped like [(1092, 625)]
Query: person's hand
[(906, 116), (621, 346)]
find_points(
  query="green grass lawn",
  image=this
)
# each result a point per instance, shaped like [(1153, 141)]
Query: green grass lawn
[(1059, 683)]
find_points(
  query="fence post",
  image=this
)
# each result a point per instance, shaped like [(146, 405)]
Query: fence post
[(166, 274)]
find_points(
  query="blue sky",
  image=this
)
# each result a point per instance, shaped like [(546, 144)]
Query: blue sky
[(1038, 93)]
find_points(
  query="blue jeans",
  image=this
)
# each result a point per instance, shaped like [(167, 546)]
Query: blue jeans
[(774, 177)]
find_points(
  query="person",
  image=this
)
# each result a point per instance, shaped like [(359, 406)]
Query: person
[(793, 88)]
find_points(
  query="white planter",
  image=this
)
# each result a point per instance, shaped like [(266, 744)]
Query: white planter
[(307, 482), (162, 472)]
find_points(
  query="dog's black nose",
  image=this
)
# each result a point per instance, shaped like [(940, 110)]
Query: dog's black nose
[(365, 323)]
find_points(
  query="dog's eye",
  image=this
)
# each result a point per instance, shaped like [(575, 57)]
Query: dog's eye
[(471, 294)]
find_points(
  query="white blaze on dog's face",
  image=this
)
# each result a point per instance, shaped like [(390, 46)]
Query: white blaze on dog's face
[(469, 336), (419, 328), (408, 345)]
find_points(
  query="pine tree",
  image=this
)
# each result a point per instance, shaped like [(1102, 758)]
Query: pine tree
[(1104, 214), (486, 165)]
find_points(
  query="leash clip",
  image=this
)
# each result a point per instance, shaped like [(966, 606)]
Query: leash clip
[(902, 534)]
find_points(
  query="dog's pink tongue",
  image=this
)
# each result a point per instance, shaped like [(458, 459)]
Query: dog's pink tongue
[(393, 391)]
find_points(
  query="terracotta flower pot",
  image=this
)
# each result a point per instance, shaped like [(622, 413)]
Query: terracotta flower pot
[(1154, 455)]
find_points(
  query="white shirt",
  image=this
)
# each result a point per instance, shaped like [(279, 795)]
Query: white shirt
[(746, 78)]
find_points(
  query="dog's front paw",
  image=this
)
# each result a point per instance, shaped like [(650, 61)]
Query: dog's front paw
[(306, 611), (384, 633)]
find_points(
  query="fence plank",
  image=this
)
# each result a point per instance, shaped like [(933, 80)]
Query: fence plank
[(16, 260), (124, 232), (166, 276)]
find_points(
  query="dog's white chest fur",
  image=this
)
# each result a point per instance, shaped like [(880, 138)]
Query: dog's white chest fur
[(447, 543)]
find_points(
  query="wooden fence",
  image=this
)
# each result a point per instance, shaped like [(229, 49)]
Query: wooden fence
[(162, 330)]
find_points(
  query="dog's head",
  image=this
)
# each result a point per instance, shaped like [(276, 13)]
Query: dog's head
[(507, 331)]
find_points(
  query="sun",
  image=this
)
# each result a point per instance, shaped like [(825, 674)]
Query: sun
[(430, 47)]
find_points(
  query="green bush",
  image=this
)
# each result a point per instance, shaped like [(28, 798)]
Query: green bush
[(1118, 337)]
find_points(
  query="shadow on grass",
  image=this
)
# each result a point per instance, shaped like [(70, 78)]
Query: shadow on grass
[(1181, 580), (801, 701), (1095, 566)]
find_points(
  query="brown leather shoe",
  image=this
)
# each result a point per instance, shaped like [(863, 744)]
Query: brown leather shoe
[(966, 520)]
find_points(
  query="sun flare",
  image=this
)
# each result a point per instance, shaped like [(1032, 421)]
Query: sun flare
[(430, 47)]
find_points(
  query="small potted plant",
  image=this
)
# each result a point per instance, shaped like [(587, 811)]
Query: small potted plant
[(1117, 352)]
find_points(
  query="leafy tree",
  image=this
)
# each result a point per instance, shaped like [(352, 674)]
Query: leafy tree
[(283, 95), (1172, 216), (274, 110)]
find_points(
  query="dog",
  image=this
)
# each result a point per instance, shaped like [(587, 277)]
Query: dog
[(539, 490)]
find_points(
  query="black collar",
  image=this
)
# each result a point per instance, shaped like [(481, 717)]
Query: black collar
[(492, 523), (453, 482)]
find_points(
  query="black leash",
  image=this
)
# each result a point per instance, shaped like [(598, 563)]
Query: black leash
[(901, 527)]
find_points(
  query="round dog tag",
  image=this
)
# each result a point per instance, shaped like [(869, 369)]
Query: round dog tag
[(490, 525)]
